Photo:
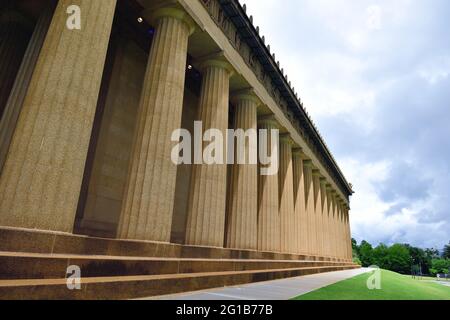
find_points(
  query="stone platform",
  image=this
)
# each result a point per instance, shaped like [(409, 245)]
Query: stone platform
[(33, 265)]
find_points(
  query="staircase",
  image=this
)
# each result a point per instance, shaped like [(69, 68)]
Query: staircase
[(33, 265)]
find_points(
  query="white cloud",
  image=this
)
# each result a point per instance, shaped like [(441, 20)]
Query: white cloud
[(435, 70), (344, 57), (374, 17)]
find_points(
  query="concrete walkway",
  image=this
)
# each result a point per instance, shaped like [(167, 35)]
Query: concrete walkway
[(271, 290)]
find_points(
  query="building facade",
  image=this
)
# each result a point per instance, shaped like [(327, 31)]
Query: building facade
[(88, 111)]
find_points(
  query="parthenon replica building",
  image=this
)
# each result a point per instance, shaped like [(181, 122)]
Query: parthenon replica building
[(87, 182)]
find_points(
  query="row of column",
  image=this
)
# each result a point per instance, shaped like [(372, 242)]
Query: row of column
[(292, 212)]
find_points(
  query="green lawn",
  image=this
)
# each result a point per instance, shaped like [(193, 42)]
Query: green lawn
[(394, 286)]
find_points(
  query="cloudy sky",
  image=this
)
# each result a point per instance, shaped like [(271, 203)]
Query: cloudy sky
[(375, 76)]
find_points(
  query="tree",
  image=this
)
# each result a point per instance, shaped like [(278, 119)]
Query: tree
[(380, 256), (446, 253), (399, 259), (432, 253), (440, 266), (366, 253), (354, 245), (419, 258), (355, 252)]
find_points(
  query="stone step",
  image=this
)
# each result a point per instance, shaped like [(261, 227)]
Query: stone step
[(129, 287), (19, 265), (45, 242)]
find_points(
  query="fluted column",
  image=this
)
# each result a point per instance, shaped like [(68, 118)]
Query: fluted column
[(323, 196), (207, 201), (18, 92), (15, 31), (330, 220), (318, 211), (310, 209), (340, 228), (41, 179), (345, 233), (349, 236), (301, 217), (268, 199), (243, 205), (334, 222), (288, 242), (150, 190)]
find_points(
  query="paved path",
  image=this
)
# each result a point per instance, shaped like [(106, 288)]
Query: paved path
[(271, 290)]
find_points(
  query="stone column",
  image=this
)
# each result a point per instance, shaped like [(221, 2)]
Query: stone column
[(349, 236), (345, 231), (301, 216), (309, 200), (318, 211), (288, 242), (18, 92), (268, 198), (243, 204), (15, 32), (150, 190), (207, 201), (41, 179), (334, 226), (324, 205), (330, 220), (340, 228)]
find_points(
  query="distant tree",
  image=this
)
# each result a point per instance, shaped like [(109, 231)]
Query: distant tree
[(446, 253), (440, 266), (432, 253), (419, 258), (366, 254), (356, 260), (355, 251), (354, 245), (399, 259), (381, 257)]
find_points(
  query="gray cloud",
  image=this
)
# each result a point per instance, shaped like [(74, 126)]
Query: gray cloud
[(405, 66)]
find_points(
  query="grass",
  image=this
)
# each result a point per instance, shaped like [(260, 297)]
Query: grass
[(394, 286)]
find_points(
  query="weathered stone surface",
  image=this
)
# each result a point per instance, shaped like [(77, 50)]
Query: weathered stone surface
[(207, 202), (243, 206), (268, 200), (300, 203), (288, 240), (41, 179), (150, 191)]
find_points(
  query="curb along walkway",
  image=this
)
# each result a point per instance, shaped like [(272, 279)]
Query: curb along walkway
[(271, 290)]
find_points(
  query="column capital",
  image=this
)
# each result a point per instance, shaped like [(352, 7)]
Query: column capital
[(269, 120), (215, 60), (297, 152), (170, 9), (323, 181), (328, 186), (316, 173), (245, 94), (308, 163), (286, 138)]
